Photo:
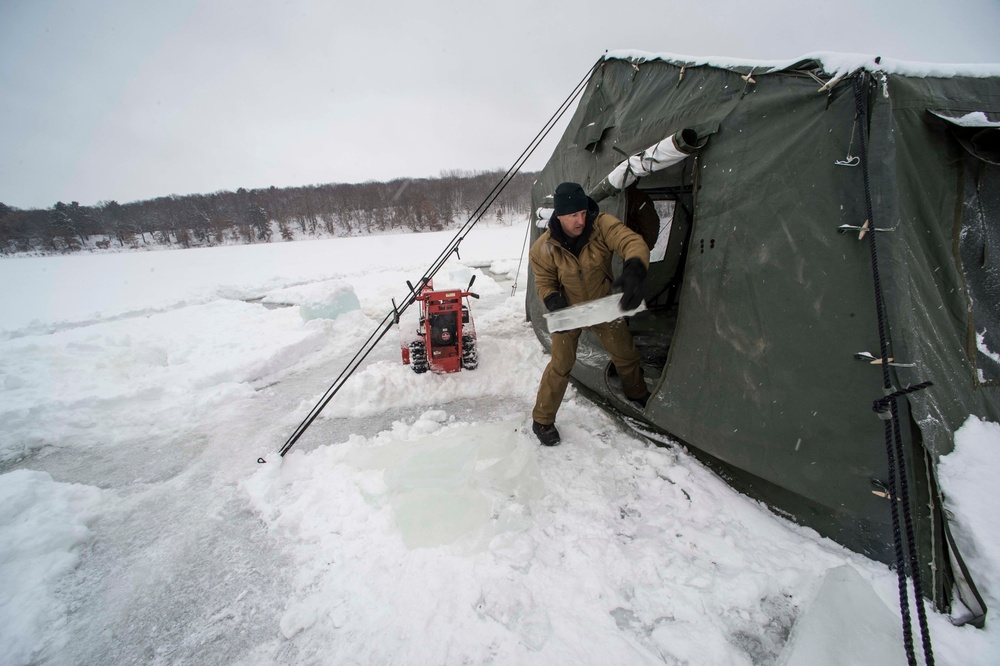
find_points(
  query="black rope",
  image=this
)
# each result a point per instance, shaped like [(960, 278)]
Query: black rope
[(918, 588), (893, 441), (389, 321)]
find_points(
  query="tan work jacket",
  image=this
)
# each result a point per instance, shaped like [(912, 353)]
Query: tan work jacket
[(588, 276)]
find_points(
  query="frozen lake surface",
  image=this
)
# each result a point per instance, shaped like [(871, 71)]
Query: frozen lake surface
[(417, 521)]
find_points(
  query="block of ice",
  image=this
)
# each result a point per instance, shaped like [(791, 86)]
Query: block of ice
[(466, 483), (327, 299), (331, 304), (846, 624), (587, 314)]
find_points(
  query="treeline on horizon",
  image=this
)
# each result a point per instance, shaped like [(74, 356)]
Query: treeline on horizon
[(254, 216)]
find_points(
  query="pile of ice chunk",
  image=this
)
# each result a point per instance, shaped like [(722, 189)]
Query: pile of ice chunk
[(328, 299)]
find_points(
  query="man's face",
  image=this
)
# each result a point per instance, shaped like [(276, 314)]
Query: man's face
[(572, 224)]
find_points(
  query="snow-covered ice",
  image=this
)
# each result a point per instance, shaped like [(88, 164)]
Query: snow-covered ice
[(43, 528), (416, 521)]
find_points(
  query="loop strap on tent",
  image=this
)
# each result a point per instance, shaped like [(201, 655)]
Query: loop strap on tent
[(393, 316), (893, 441), (882, 405)]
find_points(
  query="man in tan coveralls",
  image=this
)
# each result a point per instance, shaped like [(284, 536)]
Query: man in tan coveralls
[(572, 265)]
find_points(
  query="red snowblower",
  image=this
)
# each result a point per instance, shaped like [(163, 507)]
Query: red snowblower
[(446, 339)]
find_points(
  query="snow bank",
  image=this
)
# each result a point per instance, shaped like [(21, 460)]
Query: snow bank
[(968, 477), (43, 526)]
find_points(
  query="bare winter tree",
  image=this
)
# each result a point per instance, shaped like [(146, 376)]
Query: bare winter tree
[(401, 205)]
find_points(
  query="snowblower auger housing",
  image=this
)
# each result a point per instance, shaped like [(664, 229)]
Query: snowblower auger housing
[(446, 339)]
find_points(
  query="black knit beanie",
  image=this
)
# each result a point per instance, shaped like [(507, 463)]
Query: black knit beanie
[(569, 198)]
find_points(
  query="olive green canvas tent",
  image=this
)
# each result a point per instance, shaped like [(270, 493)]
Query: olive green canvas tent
[(762, 341)]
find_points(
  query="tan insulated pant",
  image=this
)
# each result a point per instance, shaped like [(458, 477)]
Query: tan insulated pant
[(616, 338)]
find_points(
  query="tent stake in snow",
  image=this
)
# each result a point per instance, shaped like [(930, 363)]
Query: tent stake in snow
[(392, 318)]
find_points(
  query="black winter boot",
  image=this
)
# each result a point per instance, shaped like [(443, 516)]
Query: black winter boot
[(547, 434)]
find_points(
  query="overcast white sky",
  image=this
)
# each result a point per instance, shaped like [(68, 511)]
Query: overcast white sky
[(133, 99)]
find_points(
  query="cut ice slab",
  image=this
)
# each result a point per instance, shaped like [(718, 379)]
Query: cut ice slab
[(463, 483), (846, 624), (589, 313), (327, 299)]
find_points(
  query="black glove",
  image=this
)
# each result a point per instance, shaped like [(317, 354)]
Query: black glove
[(632, 280), (556, 301)]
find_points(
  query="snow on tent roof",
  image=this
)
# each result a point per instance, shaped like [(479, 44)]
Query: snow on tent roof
[(834, 64), (973, 119)]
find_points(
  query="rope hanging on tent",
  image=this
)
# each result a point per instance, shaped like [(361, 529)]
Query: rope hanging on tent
[(517, 275), (888, 410), (392, 317)]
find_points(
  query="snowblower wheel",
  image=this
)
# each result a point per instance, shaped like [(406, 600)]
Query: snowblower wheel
[(470, 355), (418, 356)]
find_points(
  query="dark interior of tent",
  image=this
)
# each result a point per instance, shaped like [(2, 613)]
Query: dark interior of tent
[(660, 208)]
